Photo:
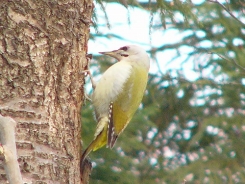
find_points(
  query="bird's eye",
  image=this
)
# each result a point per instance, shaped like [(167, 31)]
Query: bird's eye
[(124, 48)]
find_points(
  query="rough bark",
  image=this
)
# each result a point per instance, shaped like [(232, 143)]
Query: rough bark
[(43, 46)]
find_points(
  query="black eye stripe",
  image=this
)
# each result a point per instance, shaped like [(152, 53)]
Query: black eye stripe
[(124, 48)]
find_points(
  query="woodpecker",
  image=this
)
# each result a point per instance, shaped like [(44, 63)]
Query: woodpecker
[(118, 95)]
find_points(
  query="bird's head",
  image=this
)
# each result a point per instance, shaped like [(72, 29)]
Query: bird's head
[(131, 52)]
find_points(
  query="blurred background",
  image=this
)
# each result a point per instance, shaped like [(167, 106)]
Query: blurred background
[(190, 127)]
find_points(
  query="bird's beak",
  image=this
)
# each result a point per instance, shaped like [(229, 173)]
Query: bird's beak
[(112, 54)]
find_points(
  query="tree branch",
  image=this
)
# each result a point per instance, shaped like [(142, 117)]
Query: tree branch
[(225, 58), (8, 150), (227, 10)]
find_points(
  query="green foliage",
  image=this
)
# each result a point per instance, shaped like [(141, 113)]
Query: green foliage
[(189, 130)]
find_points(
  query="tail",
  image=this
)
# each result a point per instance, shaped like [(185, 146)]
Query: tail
[(97, 143), (85, 165), (86, 152)]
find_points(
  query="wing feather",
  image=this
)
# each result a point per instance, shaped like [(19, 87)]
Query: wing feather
[(109, 87), (129, 99), (111, 136)]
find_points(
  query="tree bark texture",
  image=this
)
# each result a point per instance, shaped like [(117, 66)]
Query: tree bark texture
[(43, 47)]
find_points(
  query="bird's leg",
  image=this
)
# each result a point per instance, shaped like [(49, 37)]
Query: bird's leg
[(87, 97), (87, 70)]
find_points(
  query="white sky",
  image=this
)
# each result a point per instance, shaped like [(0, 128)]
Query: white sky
[(137, 32)]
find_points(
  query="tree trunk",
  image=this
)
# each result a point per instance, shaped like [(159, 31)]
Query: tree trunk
[(43, 47)]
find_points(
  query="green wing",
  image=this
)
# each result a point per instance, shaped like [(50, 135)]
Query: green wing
[(128, 101)]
